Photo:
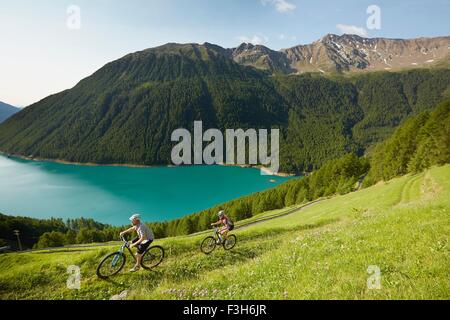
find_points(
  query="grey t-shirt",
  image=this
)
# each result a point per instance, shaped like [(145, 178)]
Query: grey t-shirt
[(144, 231)]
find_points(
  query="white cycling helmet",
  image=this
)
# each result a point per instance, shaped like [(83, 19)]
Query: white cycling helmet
[(135, 216), (221, 213)]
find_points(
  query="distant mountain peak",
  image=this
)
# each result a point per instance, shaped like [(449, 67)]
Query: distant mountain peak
[(6, 111), (349, 52), (331, 53)]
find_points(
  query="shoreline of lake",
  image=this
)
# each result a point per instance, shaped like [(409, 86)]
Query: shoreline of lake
[(125, 165)]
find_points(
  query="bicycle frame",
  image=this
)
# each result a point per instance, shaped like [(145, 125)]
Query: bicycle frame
[(121, 250), (217, 234)]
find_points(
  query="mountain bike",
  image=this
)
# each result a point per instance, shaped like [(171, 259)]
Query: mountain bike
[(209, 243), (113, 263)]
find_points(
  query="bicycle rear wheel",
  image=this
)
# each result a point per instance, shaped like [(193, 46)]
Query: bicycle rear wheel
[(208, 245), (111, 265), (230, 243), (152, 257)]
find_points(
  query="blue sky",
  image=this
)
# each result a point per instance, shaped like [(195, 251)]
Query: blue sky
[(41, 55)]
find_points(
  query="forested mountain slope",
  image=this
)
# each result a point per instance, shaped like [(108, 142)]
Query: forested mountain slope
[(127, 110)]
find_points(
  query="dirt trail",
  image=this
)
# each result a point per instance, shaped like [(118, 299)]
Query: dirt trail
[(241, 227), (287, 213)]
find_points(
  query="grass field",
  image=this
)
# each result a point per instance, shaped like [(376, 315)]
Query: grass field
[(324, 251)]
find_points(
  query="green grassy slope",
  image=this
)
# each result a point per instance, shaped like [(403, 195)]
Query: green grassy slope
[(320, 252)]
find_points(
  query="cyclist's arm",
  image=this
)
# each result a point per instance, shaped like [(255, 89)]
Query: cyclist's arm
[(216, 223), (127, 231)]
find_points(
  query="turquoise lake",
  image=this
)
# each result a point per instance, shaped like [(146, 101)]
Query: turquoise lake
[(42, 189)]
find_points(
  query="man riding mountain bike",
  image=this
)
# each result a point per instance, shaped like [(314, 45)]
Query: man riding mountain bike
[(228, 225), (142, 242)]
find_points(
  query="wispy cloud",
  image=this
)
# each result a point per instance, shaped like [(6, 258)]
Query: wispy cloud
[(280, 5), (256, 39), (282, 36), (349, 29)]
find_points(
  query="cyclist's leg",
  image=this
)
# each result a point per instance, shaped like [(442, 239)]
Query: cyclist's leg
[(141, 250), (138, 260), (138, 255), (135, 240), (224, 233), (136, 266)]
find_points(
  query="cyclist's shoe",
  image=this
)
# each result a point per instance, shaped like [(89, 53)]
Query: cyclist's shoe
[(135, 269)]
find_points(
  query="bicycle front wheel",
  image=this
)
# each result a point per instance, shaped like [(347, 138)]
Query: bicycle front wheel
[(111, 265), (208, 245), (152, 257)]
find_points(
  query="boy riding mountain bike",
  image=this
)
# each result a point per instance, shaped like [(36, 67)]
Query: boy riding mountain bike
[(227, 223), (142, 242)]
